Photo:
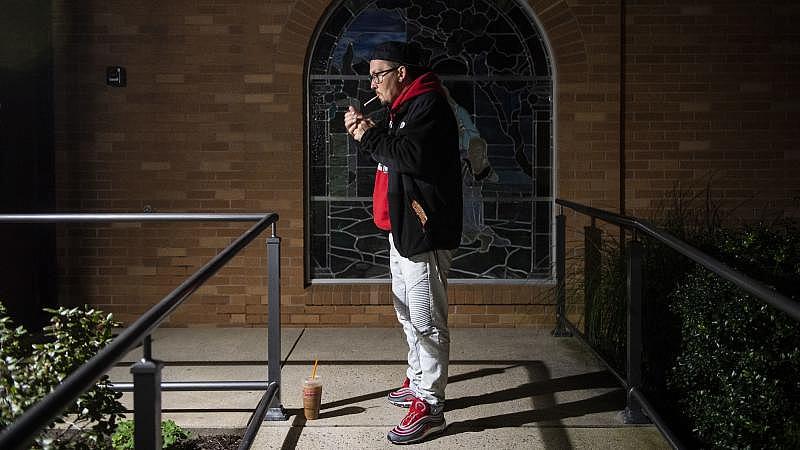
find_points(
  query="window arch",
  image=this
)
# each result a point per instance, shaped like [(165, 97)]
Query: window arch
[(492, 58)]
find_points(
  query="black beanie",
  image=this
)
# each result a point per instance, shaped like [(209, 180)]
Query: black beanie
[(399, 52)]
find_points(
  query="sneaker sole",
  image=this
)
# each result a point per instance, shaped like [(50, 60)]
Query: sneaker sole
[(400, 404), (428, 433)]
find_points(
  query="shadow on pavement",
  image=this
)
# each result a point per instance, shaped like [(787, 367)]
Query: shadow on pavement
[(541, 389)]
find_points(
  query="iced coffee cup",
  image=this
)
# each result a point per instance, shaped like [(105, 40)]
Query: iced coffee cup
[(312, 397)]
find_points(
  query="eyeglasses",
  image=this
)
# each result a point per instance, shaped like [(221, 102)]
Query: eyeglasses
[(377, 77)]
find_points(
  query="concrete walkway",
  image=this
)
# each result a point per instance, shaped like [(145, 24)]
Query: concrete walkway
[(508, 388)]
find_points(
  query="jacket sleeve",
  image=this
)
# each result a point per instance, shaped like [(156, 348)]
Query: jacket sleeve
[(413, 149)]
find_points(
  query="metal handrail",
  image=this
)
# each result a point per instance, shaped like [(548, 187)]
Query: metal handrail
[(19, 434), (638, 408), (132, 217), (749, 285), (254, 424)]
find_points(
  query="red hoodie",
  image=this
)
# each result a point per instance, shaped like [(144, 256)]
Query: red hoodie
[(427, 82)]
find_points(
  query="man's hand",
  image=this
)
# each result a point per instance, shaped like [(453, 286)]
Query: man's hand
[(351, 120), (356, 124)]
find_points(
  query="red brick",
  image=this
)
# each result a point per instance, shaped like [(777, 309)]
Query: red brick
[(199, 127)]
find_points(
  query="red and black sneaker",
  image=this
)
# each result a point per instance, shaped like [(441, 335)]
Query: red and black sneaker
[(419, 423), (403, 396)]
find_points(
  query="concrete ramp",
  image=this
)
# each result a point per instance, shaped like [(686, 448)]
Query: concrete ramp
[(508, 388)]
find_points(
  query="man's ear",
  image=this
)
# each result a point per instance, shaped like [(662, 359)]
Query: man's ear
[(401, 73)]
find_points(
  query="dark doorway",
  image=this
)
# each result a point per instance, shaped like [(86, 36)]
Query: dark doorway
[(27, 252)]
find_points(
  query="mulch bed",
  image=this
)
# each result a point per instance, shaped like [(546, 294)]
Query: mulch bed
[(215, 442)]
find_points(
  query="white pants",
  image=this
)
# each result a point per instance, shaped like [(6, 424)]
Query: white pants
[(419, 284)]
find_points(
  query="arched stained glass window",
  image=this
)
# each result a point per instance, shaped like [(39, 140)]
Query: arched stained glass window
[(493, 60)]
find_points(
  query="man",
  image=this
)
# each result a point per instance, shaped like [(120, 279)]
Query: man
[(417, 198)]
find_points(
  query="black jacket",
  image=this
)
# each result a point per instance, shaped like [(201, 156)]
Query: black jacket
[(420, 148)]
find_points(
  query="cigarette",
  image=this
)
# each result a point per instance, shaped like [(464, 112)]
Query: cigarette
[(370, 100)]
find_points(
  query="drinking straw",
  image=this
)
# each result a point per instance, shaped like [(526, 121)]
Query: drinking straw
[(314, 370)]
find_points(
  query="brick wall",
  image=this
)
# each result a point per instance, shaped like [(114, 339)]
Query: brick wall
[(199, 128), (212, 121), (712, 98)]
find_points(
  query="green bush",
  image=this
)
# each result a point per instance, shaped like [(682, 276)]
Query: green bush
[(721, 367), (737, 376), (769, 252), (172, 435), (688, 214), (28, 372)]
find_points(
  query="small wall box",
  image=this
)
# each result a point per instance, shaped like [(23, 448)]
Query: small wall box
[(115, 76)]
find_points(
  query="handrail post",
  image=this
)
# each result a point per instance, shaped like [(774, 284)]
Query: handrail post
[(633, 409), (592, 262), (561, 282), (147, 372), (276, 411), (147, 400)]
